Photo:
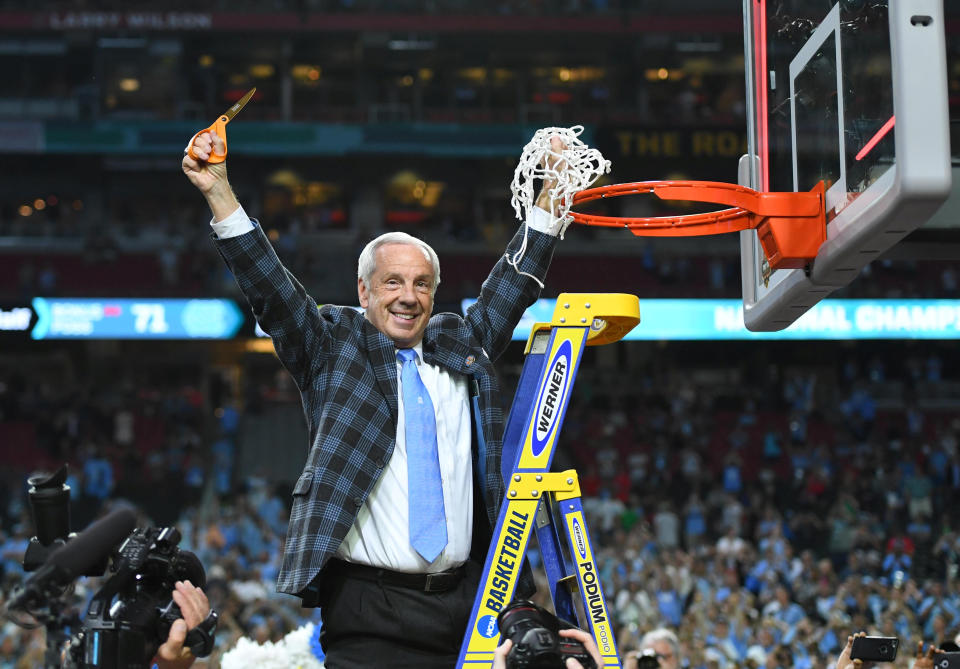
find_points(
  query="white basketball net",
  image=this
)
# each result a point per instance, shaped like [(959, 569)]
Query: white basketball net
[(573, 169)]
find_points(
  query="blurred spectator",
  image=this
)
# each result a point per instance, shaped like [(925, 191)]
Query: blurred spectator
[(665, 644)]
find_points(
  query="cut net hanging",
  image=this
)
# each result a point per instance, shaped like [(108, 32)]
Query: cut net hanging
[(570, 170)]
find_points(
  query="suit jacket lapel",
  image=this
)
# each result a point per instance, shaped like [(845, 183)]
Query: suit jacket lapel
[(384, 360)]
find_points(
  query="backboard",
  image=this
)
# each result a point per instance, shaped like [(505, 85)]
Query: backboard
[(853, 93)]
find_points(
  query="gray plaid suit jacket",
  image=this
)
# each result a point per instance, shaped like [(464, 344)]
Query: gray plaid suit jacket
[(346, 372)]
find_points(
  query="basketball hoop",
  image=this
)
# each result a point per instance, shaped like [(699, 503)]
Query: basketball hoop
[(791, 226)]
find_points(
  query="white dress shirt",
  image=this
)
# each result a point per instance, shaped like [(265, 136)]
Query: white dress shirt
[(380, 534)]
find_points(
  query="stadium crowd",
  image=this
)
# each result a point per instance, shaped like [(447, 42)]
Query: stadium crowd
[(763, 521)]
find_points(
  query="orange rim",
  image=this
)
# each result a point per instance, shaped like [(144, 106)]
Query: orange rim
[(747, 205), (791, 225)]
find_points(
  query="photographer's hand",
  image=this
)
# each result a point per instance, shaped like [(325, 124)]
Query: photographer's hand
[(194, 607), (587, 640), (500, 655)]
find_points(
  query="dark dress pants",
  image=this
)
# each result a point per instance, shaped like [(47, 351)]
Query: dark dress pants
[(374, 624)]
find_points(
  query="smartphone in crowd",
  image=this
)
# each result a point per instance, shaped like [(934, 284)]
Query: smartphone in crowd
[(875, 648), (947, 660)]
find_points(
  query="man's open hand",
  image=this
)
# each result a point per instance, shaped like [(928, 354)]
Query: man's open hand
[(194, 608)]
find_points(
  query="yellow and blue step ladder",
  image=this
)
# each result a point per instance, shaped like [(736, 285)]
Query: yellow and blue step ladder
[(544, 501)]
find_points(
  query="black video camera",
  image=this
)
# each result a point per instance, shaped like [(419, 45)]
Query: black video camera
[(130, 616), (537, 643), (128, 633)]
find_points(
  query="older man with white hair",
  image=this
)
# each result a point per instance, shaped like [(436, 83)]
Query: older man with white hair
[(665, 645), (401, 488)]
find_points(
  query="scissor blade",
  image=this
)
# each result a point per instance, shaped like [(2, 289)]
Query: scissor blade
[(239, 104)]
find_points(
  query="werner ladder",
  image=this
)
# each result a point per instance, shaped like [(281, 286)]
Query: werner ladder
[(541, 500)]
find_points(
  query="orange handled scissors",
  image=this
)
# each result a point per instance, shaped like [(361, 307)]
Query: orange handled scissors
[(220, 128)]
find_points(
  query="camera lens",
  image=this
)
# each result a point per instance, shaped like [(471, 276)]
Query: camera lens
[(50, 502), (884, 650), (534, 634)]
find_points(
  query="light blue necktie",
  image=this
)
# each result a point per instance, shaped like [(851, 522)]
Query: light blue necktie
[(428, 525)]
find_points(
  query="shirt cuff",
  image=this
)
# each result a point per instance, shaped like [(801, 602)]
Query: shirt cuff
[(234, 225), (541, 221)]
